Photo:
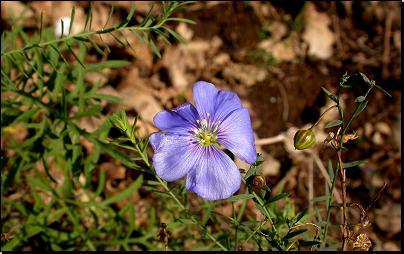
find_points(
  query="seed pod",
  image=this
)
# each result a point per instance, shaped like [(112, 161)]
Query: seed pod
[(304, 139), (257, 183)]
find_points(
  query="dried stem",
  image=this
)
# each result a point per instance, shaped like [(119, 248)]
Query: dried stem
[(345, 234)]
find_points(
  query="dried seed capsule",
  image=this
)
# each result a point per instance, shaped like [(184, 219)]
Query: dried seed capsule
[(304, 139)]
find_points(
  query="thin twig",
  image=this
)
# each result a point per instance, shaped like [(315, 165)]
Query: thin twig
[(345, 235), (272, 140)]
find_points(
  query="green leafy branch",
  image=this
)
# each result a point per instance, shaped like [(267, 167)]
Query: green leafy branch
[(84, 37), (339, 139)]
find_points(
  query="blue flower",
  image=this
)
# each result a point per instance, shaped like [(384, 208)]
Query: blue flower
[(191, 145)]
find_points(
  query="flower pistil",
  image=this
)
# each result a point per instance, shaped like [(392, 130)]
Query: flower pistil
[(206, 133)]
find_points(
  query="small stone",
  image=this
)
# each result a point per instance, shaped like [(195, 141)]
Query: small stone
[(383, 128), (245, 74)]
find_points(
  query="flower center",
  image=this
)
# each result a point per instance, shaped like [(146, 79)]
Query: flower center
[(207, 132)]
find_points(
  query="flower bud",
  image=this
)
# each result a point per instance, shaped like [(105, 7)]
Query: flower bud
[(304, 139)]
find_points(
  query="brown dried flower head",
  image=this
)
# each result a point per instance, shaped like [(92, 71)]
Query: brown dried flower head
[(362, 243)]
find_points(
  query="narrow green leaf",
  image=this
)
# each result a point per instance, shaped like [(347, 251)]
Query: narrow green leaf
[(353, 164), (106, 97), (21, 69), (9, 82), (360, 99), (255, 167), (151, 182), (341, 204), (95, 46), (139, 37), (105, 45), (63, 27), (182, 20), (294, 233), (156, 191), (89, 15), (329, 94), (74, 54), (185, 221), (38, 134), (321, 223), (240, 197), (365, 78), (41, 28), (278, 197), (60, 54), (147, 17), (308, 243), (381, 89), (37, 183), (360, 108), (318, 199), (333, 123), (330, 170), (76, 162), (47, 58), (31, 230), (123, 23), (29, 63), (123, 44), (163, 35), (176, 36), (107, 64), (130, 14), (152, 45), (299, 216), (93, 111), (101, 183), (25, 116), (131, 226), (207, 214), (71, 20), (9, 178), (109, 17)]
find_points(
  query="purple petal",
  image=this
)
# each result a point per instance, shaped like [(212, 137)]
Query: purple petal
[(155, 139), (236, 134), (225, 103), (175, 156), (181, 119), (204, 94), (215, 175)]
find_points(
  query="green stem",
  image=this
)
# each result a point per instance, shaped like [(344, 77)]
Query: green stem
[(329, 206), (325, 112), (189, 214), (352, 117)]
